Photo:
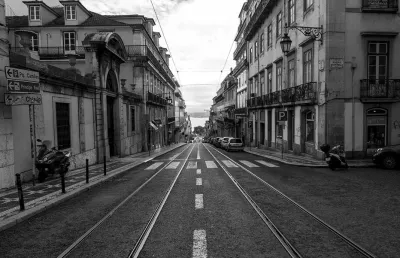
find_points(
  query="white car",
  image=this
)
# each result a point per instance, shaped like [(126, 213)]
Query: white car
[(225, 142), (235, 144)]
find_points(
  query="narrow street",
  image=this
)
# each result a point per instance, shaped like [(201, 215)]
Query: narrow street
[(199, 201)]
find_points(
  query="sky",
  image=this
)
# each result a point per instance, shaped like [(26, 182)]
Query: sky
[(199, 34)]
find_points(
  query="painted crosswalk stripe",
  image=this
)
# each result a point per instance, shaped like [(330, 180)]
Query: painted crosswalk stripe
[(198, 171), (154, 166), (229, 164), (267, 164), (192, 165), (211, 164), (199, 181), (173, 165), (249, 164), (199, 201), (199, 244)]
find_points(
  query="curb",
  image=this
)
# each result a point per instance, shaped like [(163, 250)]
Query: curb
[(306, 165), (78, 189)]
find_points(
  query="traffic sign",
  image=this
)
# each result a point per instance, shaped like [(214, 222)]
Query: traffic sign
[(21, 74), (282, 115), (14, 99), (20, 86)]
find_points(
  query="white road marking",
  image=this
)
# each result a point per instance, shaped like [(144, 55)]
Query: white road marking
[(192, 164), (154, 166), (198, 171), (199, 244), (249, 164), (199, 181), (267, 164), (173, 165), (199, 201), (229, 164), (198, 151), (211, 164)]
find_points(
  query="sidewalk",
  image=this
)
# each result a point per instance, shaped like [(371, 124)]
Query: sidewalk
[(304, 161), (45, 195)]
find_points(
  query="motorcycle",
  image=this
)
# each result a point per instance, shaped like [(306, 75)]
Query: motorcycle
[(51, 161), (335, 157)]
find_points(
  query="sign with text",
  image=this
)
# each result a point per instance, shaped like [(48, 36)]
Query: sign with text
[(336, 63), (21, 74), (14, 99), (20, 86), (282, 116)]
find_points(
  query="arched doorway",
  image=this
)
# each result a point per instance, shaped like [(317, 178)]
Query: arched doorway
[(376, 129), (111, 89)]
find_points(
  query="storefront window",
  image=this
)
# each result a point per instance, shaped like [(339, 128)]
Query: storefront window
[(310, 126), (376, 128)]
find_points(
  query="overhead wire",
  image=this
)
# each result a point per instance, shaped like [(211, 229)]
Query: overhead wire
[(223, 68)]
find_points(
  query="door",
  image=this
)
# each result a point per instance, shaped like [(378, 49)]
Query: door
[(110, 125), (269, 128)]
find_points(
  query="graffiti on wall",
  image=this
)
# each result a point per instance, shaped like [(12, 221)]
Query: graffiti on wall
[(396, 124)]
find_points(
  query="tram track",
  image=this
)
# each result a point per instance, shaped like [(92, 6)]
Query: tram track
[(133, 252), (256, 195)]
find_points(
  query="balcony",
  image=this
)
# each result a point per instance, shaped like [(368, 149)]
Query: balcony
[(240, 111), (239, 47), (156, 100), (53, 53), (239, 67), (380, 90), (257, 19), (390, 6)]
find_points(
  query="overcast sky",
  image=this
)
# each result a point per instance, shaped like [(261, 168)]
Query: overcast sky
[(199, 34)]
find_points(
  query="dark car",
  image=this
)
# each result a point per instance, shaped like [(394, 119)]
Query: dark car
[(387, 157)]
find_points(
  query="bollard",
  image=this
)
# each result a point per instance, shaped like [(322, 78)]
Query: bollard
[(87, 171), (105, 171), (20, 193), (62, 175)]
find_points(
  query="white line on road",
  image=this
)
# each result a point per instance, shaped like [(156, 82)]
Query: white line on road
[(211, 164), (199, 244), (198, 171), (173, 165), (267, 164), (198, 151), (154, 166), (199, 201), (199, 181), (249, 164), (192, 164), (229, 164)]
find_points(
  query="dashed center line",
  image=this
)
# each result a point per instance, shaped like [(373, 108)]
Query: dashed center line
[(198, 171), (199, 244), (199, 201), (199, 181)]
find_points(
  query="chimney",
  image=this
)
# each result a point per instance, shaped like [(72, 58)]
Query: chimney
[(163, 52), (156, 39), (167, 60)]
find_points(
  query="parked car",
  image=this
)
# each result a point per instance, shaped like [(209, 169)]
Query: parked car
[(387, 157), (224, 142), (235, 144), (218, 142)]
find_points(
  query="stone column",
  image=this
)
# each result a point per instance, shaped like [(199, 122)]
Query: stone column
[(7, 177)]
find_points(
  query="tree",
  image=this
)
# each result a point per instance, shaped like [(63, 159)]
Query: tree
[(199, 130)]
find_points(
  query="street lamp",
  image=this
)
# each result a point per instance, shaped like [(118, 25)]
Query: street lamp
[(286, 42), (314, 32)]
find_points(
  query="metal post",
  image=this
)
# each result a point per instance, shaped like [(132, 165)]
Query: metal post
[(20, 193), (33, 140), (87, 171), (105, 165), (62, 175)]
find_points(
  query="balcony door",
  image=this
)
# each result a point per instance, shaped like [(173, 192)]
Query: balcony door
[(69, 43), (378, 68)]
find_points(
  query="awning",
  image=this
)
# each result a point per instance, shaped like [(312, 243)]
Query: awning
[(153, 125)]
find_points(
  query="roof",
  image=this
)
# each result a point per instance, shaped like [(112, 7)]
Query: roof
[(95, 20)]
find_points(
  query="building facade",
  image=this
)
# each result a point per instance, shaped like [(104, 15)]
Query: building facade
[(337, 82)]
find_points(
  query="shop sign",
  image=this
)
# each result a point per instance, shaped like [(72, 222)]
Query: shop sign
[(14, 99), (376, 120)]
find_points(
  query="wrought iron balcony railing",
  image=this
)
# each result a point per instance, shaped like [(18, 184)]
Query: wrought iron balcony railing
[(380, 89), (261, 13), (240, 111), (239, 47), (155, 99), (239, 66), (380, 5), (46, 53)]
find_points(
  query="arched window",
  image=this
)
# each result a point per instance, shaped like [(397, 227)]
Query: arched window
[(310, 124), (376, 128)]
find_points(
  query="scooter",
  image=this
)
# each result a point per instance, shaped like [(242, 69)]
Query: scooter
[(335, 158), (51, 161)]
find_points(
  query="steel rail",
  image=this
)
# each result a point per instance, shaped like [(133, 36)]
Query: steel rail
[(108, 215), (290, 249), (149, 226), (348, 240)]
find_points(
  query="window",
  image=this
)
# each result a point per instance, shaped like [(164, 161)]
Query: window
[(269, 80), (310, 126), (262, 84), (251, 55), (70, 12), (63, 126), (308, 4), (279, 76), (378, 60), (34, 13), (269, 36), (255, 50), (292, 11), (279, 25), (291, 71), (278, 128), (256, 85), (262, 43), (307, 66), (133, 119), (69, 41), (34, 43)]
